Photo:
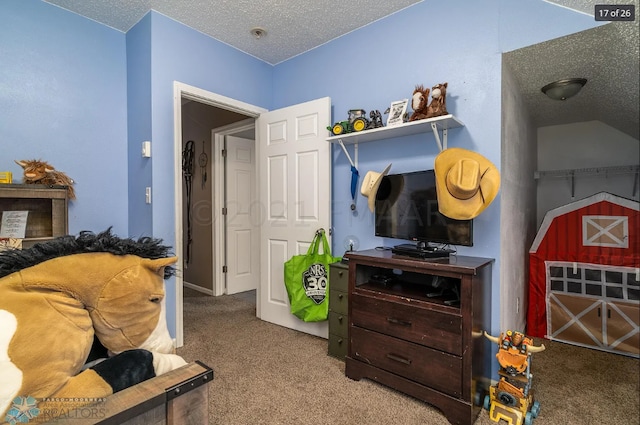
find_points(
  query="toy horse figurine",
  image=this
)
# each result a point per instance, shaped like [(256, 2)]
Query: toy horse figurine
[(438, 105), (57, 296), (419, 102)]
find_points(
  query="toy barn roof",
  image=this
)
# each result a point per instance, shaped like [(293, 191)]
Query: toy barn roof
[(573, 206)]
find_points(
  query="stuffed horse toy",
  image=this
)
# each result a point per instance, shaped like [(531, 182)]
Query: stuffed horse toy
[(438, 105), (56, 297), (419, 102)]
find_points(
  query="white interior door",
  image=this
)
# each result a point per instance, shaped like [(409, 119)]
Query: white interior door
[(294, 174), (242, 231)]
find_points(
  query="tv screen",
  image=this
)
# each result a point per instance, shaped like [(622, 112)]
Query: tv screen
[(406, 207)]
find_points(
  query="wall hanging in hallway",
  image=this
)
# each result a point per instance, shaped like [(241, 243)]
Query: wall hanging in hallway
[(187, 170)]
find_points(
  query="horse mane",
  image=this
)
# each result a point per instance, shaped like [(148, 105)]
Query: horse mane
[(146, 247)]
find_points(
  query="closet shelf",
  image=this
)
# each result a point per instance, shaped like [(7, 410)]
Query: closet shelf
[(605, 171)]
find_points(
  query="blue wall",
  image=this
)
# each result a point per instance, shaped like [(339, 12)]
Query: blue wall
[(139, 129), (84, 96), (157, 57), (383, 62), (63, 88), (206, 64)]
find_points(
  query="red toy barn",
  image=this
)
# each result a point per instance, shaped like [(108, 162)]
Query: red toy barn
[(584, 275)]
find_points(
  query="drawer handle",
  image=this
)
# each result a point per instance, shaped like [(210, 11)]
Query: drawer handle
[(339, 341), (340, 296), (398, 359), (340, 274), (340, 319), (398, 321)]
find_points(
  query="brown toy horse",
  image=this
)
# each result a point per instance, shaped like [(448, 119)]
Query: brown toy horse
[(419, 102), (438, 105), (57, 298)]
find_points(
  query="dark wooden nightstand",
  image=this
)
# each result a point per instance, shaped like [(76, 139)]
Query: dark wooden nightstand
[(338, 308)]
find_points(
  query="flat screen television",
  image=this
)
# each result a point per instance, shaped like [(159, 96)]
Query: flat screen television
[(406, 208)]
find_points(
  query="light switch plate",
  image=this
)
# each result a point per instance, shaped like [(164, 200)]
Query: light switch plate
[(146, 149)]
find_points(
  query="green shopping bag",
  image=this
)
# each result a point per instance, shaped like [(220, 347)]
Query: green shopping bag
[(306, 278)]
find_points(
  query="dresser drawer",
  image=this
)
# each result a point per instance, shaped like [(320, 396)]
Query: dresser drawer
[(339, 277), (338, 301), (338, 324), (435, 329), (338, 346), (429, 367)]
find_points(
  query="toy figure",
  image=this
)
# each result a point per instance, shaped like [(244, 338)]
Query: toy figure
[(438, 105), (375, 120), (419, 102), (39, 172), (511, 398)]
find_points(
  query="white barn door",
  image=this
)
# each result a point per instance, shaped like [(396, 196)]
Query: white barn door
[(294, 180)]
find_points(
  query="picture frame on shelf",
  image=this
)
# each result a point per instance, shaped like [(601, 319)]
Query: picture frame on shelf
[(397, 110)]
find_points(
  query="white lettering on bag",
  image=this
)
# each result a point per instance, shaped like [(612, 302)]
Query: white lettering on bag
[(314, 280)]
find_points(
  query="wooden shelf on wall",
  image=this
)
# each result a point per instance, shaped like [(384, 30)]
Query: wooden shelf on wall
[(47, 206)]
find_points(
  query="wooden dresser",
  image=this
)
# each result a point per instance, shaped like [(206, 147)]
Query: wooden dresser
[(338, 309), (416, 325)]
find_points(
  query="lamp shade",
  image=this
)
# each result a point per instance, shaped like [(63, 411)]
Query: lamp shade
[(564, 89)]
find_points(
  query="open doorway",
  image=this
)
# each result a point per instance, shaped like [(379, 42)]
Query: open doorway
[(202, 183), (196, 113), (281, 234), (590, 136), (235, 210)]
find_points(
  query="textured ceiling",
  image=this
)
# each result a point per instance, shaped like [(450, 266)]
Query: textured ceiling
[(607, 56), (293, 27)]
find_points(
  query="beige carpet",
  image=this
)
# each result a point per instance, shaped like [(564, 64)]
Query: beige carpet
[(267, 374)]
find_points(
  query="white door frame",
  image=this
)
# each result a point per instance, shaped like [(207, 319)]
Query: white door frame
[(181, 90), (219, 172)]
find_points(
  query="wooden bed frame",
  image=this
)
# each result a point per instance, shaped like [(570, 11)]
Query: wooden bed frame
[(179, 397)]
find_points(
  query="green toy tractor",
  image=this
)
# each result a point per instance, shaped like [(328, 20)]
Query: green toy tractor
[(357, 122)]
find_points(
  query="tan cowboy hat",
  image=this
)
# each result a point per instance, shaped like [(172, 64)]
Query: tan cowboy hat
[(466, 183), (371, 183)]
